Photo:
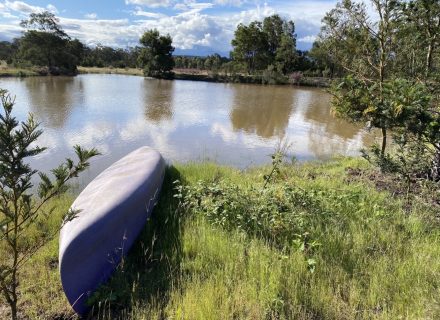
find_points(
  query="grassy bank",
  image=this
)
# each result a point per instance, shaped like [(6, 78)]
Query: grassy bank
[(8, 71), (108, 70), (203, 75), (319, 241), (181, 74)]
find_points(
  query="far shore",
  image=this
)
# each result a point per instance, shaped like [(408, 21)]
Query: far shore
[(179, 74)]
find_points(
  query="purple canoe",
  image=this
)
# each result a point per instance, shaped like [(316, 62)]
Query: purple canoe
[(113, 209)]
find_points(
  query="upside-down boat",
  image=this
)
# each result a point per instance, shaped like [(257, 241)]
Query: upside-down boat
[(112, 210)]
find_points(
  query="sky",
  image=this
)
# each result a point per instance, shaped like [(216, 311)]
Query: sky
[(197, 27)]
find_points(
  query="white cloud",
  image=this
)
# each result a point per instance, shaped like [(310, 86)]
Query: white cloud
[(52, 8), (8, 31), (91, 135), (246, 16), (235, 3), (113, 33), (311, 10), (153, 15), (307, 39), (180, 6), (190, 27), (90, 16), (192, 7), (150, 3), (7, 15), (22, 7)]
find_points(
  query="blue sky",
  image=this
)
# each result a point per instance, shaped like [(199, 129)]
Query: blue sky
[(197, 27)]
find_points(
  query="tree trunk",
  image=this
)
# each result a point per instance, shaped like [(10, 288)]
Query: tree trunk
[(428, 62), (9, 299), (384, 141), (14, 297), (14, 280), (14, 313), (435, 169)]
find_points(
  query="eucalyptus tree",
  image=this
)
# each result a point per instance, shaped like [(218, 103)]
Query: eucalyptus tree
[(155, 57), (44, 43), (250, 46), (261, 44), (422, 18), (8, 50)]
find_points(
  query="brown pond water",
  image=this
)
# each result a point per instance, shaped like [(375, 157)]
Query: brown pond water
[(232, 124)]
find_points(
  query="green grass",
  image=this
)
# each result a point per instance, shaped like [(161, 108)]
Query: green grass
[(375, 256), (17, 72), (8, 71)]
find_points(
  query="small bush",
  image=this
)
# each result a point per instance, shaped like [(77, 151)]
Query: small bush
[(279, 214), (272, 76)]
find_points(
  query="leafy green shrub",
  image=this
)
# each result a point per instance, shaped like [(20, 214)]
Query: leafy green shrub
[(280, 213)]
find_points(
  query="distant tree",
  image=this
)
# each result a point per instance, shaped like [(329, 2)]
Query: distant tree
[(273, 27), (305, 62), (104, 56), (46, 44), (75, 51), (213, 62), (323, 60), (286, 55), (199, 63), (20, 209), (155, 57), (44, 22), (8, 50), (281, 38), (250, 46), (421, 22), (259, 45)]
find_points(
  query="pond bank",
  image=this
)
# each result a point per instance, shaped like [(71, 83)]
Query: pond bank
[(182, 74), (318, 82), (17, 72), (327, 244)]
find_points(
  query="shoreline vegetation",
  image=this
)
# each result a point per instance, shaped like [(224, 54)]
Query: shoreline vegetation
[(179, 74), (9, 71), (207, 76), (348, 245)]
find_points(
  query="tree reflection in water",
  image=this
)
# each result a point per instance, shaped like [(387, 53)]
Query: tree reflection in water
[(52, 99)]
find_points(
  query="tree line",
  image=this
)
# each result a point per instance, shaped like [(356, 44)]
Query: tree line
[(268, 45)]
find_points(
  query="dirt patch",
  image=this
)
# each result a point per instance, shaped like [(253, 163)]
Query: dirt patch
[(4, 311), (421, 189)]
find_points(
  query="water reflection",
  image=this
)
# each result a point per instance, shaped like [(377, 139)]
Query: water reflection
[(54, 99), (232, 124), (158, 99), (264, 111), (318, 112)]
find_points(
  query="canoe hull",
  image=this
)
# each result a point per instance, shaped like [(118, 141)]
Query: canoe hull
[(113, 210)]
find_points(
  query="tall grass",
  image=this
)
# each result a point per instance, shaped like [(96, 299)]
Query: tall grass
[(111, 70), (356, 253)]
